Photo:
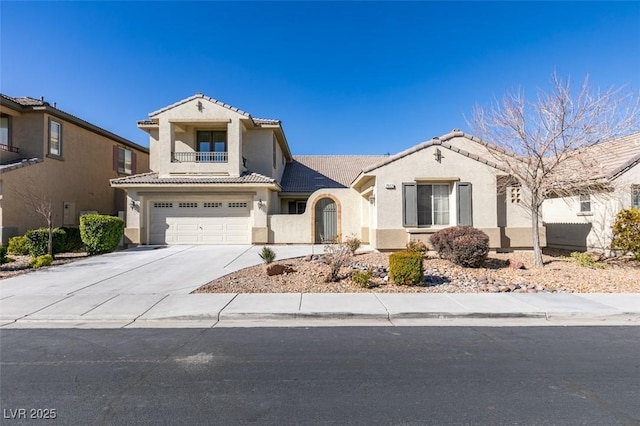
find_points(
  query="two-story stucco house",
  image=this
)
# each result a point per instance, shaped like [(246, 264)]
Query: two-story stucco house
[(221, 176), (48, 154)]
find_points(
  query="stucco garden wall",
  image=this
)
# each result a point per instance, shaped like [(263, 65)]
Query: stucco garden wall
[(299, 228)]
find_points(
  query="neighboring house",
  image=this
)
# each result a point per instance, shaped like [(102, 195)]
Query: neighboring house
[(49, 155), (583, 221), (221, 176)]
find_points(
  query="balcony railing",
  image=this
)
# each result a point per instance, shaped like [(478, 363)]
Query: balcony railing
[(199, 157), (9, 148)]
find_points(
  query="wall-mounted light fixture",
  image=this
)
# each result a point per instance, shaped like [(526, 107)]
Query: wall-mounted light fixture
[(372, 199), (135, 205), (261, 204)]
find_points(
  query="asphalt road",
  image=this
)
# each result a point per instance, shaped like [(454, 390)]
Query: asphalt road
[(346, 375)]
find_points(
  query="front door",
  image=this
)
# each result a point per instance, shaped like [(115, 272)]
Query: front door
[(326, 217)]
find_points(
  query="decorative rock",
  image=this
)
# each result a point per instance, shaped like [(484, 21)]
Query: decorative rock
[(515, 265), (279, 269)]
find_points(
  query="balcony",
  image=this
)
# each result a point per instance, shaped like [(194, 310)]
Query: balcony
[(199, 157)]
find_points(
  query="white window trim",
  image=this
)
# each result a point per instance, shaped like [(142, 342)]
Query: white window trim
[(50, 151), (122, 165)]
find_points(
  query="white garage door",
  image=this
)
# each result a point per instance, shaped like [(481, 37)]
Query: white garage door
[(199, 222)]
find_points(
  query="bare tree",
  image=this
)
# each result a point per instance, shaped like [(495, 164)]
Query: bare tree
[(41, 203), (544, 144)]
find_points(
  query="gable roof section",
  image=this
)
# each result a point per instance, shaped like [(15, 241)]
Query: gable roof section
[(308, 173), (256, 121), (441, 141)]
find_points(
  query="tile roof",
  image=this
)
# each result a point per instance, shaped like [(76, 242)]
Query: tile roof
[(308, 173), (442, 141), (27, 101), (602, 163), (153, 179), (618, 154), (217, 102), (18, 164)]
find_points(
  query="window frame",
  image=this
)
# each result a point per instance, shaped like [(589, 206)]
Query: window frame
[(213, 143), (585, 203), (635, 196), (50, 151), (8, 118), (123, 169), (413, 219)]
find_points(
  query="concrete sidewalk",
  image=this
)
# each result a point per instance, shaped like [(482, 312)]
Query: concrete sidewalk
[(129, 289), (295, 309)]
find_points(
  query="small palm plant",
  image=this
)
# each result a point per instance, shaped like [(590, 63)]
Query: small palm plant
[(267, 255)]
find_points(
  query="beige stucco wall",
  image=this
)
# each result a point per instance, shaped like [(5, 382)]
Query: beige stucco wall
[(561, 213), (80, 178), (177, 130), (258, 150), (299, 228), (507, 224), (422, 164)]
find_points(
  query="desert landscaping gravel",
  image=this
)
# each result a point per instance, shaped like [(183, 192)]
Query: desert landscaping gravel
[(558, 275)]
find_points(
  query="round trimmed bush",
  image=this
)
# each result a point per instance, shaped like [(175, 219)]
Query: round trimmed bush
[(463, 245), (101, 233)]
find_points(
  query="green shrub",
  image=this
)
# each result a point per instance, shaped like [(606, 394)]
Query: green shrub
[(405, 268), (40, 261), (18, 245), (38, 241), (267, 255), (463, 245), (101, 233), (586, 259), (74, 240), (3, 255), (362, 278), (626, 232), (353, 243), (417, 246)]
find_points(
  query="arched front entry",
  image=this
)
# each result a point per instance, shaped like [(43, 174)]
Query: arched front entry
[(326, 220)]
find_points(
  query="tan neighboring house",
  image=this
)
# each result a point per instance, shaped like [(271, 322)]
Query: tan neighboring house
[(584, 221), (220, 176), (48, 154)]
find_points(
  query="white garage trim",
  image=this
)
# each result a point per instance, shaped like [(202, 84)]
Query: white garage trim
[(193, 221)]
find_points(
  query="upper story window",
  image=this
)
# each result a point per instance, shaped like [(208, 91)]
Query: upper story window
[(211, 146), (125, 160), (55, 138), (426, 204), (635, 196), (5, 130), (585, 203)]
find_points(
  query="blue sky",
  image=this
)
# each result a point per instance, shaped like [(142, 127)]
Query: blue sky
[(344, 77)]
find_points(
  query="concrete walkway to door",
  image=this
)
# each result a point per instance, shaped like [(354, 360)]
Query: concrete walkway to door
[(145, 270)]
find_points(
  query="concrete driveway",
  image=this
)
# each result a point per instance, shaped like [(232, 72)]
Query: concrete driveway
[(144, 270)]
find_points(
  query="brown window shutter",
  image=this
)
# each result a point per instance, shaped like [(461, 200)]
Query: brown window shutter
[(115, 158), (133, 162)]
